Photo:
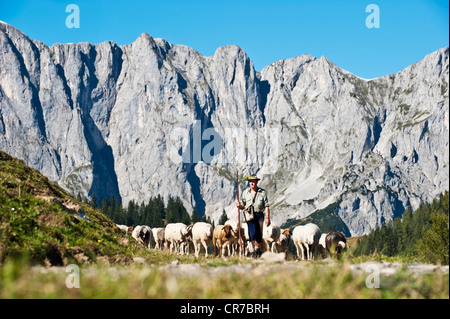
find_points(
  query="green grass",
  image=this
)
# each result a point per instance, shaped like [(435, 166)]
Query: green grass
[(314, 280), (46, 231)]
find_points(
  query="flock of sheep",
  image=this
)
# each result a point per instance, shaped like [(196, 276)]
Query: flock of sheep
[(180, 238)]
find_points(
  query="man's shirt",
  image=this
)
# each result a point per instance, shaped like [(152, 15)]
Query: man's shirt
[(261, 201)]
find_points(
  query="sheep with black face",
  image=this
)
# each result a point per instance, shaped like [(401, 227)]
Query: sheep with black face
[(335, 243), (143, 234)]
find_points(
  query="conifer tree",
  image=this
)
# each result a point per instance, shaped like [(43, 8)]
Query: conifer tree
[(171, 212), (423, 232), (93, 201), (195, 215), (223, 218), (158, 211)]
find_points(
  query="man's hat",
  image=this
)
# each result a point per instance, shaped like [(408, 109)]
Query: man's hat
[(252, 177)]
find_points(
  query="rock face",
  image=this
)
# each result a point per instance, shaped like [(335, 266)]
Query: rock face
[(154, 118)]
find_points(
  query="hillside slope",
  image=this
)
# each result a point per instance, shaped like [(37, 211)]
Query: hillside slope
[(41, 220)]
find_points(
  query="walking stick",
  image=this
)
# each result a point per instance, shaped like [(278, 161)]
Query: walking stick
[(239, 213)]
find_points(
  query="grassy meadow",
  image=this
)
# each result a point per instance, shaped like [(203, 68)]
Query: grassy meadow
[(43, 229), (190, 277)]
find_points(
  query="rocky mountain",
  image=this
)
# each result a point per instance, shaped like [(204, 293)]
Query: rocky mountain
[(154, 118)]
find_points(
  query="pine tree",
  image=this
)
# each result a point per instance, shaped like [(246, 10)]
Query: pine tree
[(93, 201), (223, 218), (185, 218), (158, 211), (399, 234), (119, 214), (406, 230), (424, 231), (208, 220), (132, 213), (433, 246), (171, 212), (176, 212), (195, 215)]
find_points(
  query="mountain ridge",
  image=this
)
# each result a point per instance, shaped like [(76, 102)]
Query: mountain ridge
[(91, 115)]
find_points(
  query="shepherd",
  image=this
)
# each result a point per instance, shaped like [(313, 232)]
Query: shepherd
[(256, 213)]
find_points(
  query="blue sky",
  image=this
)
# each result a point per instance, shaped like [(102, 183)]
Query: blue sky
[(267, 30)]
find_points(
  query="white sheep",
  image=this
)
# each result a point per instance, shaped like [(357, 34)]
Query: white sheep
[(175, 235), (322, 248), (270, 235), (158, 236), (143, 234), (246, 238), (125, 228), (122, 227), (306, 237), (202, 234)]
